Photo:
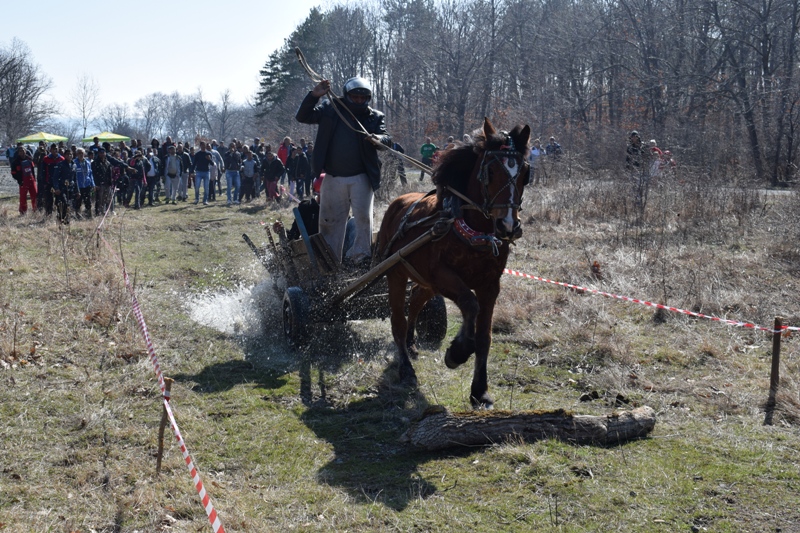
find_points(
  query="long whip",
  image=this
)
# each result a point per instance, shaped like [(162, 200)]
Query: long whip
[(338, 103)]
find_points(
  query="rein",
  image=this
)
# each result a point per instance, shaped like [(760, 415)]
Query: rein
[(475, 239), (337, 103), (336, 100)]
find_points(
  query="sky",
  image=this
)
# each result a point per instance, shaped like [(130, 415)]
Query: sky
[(134, 49)]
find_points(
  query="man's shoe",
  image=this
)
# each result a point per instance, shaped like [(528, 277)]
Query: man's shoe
[(197, 202), (205, 203)]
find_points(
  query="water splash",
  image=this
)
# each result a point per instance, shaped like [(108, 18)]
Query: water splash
[(237, 312)]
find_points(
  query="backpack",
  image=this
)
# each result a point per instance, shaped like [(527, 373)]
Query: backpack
[(309, 212)]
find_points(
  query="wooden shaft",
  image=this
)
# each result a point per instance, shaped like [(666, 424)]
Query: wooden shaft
[(168, 387), (382, 268)]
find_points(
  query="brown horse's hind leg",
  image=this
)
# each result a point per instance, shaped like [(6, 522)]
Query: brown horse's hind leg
[(479, 396), (397, 299), (419, 297)]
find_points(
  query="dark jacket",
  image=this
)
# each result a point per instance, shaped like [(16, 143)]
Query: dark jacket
[(188, 164), (101, 170), (201, 161), (310, 112), (156, 161), (232, 160), (272, 171), (297, 167), (49, 164), (24, 168), (15, 162), (64, 180), (141, 167)]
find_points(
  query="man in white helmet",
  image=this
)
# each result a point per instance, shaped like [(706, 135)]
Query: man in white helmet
[(350, 161)]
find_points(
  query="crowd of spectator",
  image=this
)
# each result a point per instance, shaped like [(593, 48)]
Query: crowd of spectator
[(101, 176)]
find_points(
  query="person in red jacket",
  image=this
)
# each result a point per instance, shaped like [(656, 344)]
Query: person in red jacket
[(44, 199), (284, 152), (24, 170)]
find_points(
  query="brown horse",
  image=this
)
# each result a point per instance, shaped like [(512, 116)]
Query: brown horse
[(474, 219)]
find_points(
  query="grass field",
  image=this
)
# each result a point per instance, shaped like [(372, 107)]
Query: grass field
[(309, 441)]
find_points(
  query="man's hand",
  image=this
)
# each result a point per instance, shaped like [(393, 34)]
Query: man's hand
[(375, 140), (321, 89)]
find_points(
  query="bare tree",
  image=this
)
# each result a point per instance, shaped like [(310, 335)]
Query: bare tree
[(85, 97), (22, 92), (221, 120), (117, 118), (151, 110), (177, 115)]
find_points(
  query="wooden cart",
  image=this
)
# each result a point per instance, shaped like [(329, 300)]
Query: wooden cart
[(316, 289)]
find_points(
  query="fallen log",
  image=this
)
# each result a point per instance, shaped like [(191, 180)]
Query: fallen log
[(439, 429)]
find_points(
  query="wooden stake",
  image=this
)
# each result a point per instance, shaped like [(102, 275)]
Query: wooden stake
[(168, 387), (775, 372)]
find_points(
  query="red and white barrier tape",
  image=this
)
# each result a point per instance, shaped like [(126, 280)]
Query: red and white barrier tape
[(213, 518), (652, 304), (216, 524)]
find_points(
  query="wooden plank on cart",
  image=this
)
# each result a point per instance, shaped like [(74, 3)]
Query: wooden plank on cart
[(301, 225), (326, 261)]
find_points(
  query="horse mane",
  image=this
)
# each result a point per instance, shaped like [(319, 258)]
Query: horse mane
[(455, 166)]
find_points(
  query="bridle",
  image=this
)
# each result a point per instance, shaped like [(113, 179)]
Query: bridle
[(509, 159)]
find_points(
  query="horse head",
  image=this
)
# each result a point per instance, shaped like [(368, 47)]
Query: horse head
[(502, 176)]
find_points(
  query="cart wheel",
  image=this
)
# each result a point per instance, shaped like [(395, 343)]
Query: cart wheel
[(295, 316), (432, 322)]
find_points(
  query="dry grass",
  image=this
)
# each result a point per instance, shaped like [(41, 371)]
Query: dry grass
[(308, 441)]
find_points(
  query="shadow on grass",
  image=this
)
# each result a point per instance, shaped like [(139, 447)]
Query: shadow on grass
[(268, 361), (360, 416), (224, 376), (370, 463)]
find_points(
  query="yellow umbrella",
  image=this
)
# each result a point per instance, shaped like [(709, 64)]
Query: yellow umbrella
[(42, 136), (106, 136)]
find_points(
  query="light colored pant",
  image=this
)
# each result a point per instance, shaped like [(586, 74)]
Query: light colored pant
[(233, 180), (172, 186), (338, 195), (201, 177), (183, 186)]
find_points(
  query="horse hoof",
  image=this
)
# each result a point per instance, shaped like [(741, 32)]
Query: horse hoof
[(483, 402), (413, 353), (449, 362)]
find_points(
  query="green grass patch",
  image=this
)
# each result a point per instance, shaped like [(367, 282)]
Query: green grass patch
[(310, 440)]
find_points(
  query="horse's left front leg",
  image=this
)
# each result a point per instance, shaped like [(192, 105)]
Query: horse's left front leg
[(479, 396)]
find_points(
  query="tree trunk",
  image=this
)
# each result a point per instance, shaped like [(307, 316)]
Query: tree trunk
[(439, 429)]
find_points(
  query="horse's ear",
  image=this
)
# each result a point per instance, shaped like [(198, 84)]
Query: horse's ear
[(488, 129), (521, 135)]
